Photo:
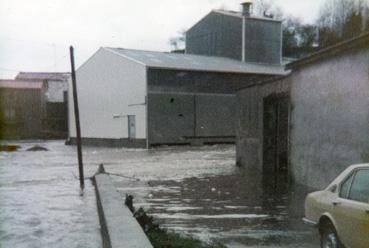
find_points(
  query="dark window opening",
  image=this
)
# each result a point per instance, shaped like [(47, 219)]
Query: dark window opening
[(275, 137), (171, 100)]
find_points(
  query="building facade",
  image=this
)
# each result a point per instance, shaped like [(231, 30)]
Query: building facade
[(145, 98), (234, 35), (142, 99), (21, 109), (310, 125), (54, 113)]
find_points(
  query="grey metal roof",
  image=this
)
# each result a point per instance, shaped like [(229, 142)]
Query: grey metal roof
[(196, 62), (18, 84), (55, 76)]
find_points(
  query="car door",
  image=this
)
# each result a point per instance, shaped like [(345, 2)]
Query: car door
[(352, 210)]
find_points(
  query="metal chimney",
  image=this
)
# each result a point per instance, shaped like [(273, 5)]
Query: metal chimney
[(246, 12), (246, 8)]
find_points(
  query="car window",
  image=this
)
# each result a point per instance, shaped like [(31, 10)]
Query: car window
[(360, 187), (345, 186)]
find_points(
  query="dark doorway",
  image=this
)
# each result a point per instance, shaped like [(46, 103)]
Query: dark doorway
[(275, 137)]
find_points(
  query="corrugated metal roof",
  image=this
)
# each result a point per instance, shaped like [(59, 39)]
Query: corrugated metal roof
[(196, 62), (16, 84), (54, 76)]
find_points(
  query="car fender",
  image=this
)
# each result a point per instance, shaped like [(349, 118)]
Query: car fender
[(328, 216)]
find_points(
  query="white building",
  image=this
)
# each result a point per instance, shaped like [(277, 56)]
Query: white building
[(141, 99)]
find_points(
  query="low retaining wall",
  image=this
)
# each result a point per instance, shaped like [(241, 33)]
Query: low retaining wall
[(119, 227)]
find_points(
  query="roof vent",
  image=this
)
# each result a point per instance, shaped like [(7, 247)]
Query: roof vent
[(246, 8)]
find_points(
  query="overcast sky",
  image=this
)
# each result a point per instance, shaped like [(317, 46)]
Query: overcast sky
[(35, 34)]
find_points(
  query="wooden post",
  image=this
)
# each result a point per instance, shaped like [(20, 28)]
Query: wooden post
[(76, 116)]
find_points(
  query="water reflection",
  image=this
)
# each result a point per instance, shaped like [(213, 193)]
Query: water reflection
[(239, 209), (200, 191)]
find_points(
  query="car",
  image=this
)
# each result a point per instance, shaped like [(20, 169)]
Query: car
[(341, 211)]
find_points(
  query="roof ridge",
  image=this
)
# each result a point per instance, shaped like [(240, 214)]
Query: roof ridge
[(195, 62), (134, 49), (44, 72), (195, 55)]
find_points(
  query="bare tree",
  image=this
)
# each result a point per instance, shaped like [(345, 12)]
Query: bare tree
[(178, 42), (342, 19), (267, 8)]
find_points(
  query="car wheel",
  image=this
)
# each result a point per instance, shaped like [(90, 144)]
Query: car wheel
[(329, 237)]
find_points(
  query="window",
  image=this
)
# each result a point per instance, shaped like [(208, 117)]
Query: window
[(360, 187), (345, 186)]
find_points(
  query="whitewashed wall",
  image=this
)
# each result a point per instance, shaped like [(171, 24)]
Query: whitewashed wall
[(107, 84), (330, 117), (55, 91)]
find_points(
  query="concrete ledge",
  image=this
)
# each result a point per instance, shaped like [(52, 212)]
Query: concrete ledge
[(119, 227)]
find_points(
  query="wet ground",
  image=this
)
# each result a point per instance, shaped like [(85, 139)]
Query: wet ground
[(191, 190)]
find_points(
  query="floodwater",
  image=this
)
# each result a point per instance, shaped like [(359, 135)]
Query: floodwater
[(191, 190), (40, 201), (199, 191)]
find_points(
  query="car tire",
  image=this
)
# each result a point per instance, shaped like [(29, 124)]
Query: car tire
[(329, 237)]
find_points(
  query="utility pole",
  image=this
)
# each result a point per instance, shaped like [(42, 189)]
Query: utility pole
[(76, 117)]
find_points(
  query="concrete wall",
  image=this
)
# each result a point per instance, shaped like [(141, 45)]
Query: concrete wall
[(330, 117), (108, 85), (119, 227), (328, 121), (249, 121)]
